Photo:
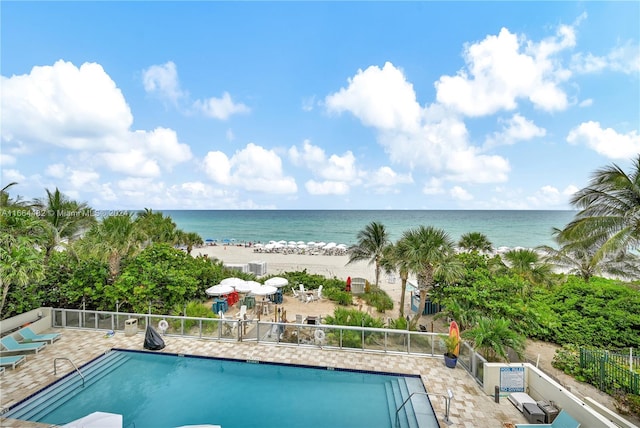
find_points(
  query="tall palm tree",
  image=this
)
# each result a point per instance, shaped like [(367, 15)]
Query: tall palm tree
[(475, 241), (610, 210), (65, 218), (189, 239), (392, 262), (156, 227), (585, 260), (114, 238), (371, 243), (430, 254)]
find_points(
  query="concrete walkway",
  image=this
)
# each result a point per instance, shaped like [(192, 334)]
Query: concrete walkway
[(470, 407)]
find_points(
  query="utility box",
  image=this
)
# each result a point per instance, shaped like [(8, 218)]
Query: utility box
[(533, 413), (130, 327)]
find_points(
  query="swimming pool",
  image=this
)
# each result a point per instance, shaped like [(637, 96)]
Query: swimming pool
[(167, 390)]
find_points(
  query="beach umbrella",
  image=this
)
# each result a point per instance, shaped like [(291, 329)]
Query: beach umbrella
[(264, 290), (219, 290), (247, 286), (276, 281), (232, 281)]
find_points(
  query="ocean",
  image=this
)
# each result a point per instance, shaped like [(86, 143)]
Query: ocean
[(503, 228)]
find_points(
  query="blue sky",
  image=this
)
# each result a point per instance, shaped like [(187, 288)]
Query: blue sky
[(317, 105)]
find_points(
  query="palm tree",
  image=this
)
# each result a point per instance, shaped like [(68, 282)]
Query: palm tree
[(371, 243), (527, 264), (189, 239), (66, 218), (494, 337), (610, 210), (156, 227), (584, 259), (475, 241), (392, 262), (115, 237), (430, 254)]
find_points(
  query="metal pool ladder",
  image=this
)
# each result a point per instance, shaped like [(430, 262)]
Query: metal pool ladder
[(55, 360), (447, 398)]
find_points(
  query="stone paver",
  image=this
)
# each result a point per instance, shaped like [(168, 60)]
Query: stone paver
[(470, 407)]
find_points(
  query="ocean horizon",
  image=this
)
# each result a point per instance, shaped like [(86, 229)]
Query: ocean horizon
[(504, 228)]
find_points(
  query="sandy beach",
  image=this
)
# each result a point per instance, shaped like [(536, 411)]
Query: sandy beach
[(326, 265)]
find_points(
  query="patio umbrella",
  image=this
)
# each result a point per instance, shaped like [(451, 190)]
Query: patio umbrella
[(219, 290), (232, 281), (247, 286), (276, 281), (264, 290)]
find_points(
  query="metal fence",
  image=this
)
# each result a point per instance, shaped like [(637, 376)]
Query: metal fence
[(611, 371), (383, 340)]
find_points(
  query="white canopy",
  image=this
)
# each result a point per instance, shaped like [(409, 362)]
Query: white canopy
[(276, 281), (219, 290), (264, 290)]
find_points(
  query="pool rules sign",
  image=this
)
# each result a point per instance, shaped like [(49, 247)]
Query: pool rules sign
[(512, 379)]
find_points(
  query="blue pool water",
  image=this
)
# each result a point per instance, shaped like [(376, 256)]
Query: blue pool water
[(165, 390)]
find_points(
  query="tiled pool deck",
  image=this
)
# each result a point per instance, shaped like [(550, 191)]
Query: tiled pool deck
[(470, 407)]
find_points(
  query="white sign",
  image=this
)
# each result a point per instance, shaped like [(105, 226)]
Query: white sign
[(512, 379)]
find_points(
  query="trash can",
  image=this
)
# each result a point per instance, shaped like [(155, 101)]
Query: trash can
[(550, 411), (533, 413), (130, 327)]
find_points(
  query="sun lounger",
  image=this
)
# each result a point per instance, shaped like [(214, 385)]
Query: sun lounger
[(11, 345), (30, 336), (563, 420), (12, 361)]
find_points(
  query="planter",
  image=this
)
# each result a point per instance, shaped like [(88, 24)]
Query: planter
[(450, 361)]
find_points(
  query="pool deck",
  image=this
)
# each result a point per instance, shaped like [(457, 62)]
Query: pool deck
[(470, 406)]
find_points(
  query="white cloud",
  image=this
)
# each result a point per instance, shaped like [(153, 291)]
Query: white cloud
[(515, 129), (460, 194), (11, 175), (82, 109), (6, 159), (570, 190), (217, 167), (340, 168), (607, 141), (63, 105), (308, 103), (220, 108), (504, 68), (80, 179), (253, 168), (623, 58), (56, 170), (381, 98), (432, 138), (327, 187), (162, 80), (433, 187), (586, 103), (385, 178)]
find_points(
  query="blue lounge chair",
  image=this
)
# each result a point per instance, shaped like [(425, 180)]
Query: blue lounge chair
[(12, 345), (563, 420), (30, 336), (12, 361)]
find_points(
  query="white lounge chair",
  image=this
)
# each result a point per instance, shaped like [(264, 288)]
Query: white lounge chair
[(303, 293), (228, 324)]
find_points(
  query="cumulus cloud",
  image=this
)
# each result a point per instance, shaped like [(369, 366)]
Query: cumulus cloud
[(501, 69), (6, 159), (9, 175), (64, 105), (433, 187), (605, 141), (379, 97), (81, 109), (162, 80), (385, 179), (253, 168), (460, 194), (220, 108), (515, 129), (432, 138)]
